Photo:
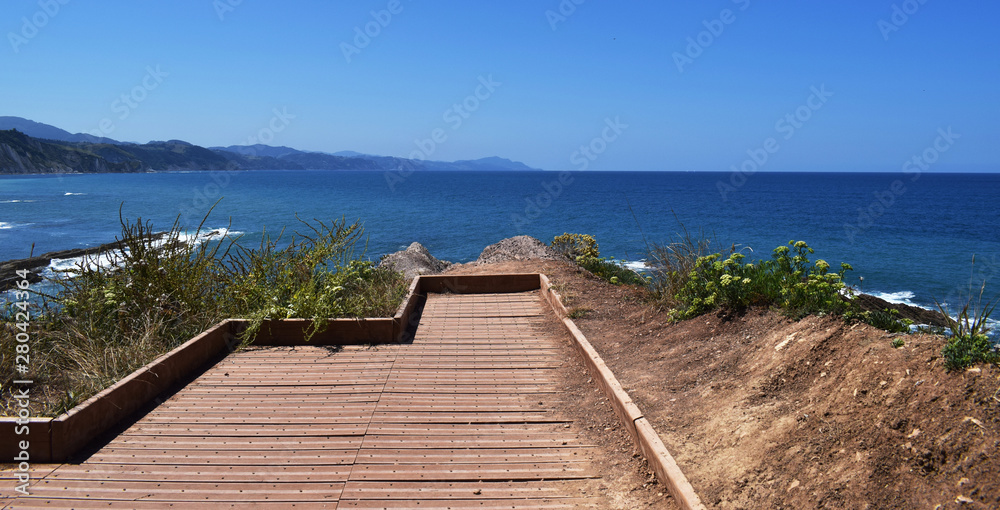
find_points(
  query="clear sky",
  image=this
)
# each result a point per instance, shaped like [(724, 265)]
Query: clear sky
[(679, 85)]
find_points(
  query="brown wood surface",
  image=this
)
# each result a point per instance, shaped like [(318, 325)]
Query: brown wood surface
[(462, 417)]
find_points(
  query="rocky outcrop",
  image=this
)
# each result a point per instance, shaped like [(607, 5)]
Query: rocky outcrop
[(35, 265), (414, 260), (914, 313), (517, 248)]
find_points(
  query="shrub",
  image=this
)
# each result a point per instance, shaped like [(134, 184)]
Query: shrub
[(886, 319), (583, 250), (969, 342), (315, 276), (613, 272), (671, 265), (964, 351), (787, 281), (576, 246)]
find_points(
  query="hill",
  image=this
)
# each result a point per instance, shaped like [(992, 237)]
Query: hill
[(31, 147), (47, 132), (20, 153)]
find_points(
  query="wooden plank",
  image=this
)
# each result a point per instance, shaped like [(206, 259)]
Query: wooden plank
[(424, 491), (83, 504), (480, 454), (190, 492), (473, 472), (469, 504), (195, 474), (224, 458)]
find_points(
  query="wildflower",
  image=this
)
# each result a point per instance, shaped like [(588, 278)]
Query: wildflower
[(746, 281)]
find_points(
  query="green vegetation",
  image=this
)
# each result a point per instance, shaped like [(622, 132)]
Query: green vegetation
[(583, 249), (315, 276), (787, 281), (969, 342), (672, 263), (886, 319), (106, 322), (687, 280), (576, 246)]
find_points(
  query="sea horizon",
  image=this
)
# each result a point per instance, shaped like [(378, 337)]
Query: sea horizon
[(877, 222)]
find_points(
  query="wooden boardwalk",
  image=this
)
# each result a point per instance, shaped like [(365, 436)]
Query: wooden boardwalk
[(461, 418)]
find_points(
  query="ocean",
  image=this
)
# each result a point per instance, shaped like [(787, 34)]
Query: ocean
[(910, 236)]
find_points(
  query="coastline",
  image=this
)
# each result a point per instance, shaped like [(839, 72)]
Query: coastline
[(924, 316), (35, 265)]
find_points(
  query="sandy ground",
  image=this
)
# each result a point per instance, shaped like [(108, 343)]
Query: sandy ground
[(764, 412)]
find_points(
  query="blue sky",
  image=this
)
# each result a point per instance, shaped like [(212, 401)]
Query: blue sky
[(621, 79)]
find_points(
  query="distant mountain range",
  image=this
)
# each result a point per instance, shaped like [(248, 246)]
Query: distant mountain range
[(32, 147)]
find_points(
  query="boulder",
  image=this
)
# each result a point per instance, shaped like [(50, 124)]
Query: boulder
[(414, 260), (518, 248)]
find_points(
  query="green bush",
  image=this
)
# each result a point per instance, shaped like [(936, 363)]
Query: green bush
[(583, 250), (611, 271), (886, 319), (787, 281), (969, 342), (671, 265), (964, 351), (315, 276), (576, 247)]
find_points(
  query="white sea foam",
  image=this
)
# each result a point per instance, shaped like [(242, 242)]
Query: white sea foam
[(899, 298), (210, 234), (104, 260), (61, 267), (72, 194), (635, 265), (15, 201), (5, 226)]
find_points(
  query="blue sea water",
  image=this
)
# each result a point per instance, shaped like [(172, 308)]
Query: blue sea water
[(911, 236)]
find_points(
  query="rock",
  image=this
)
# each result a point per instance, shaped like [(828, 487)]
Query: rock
[(517, 248), (35, 265), (414, 260), (916, 314)]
